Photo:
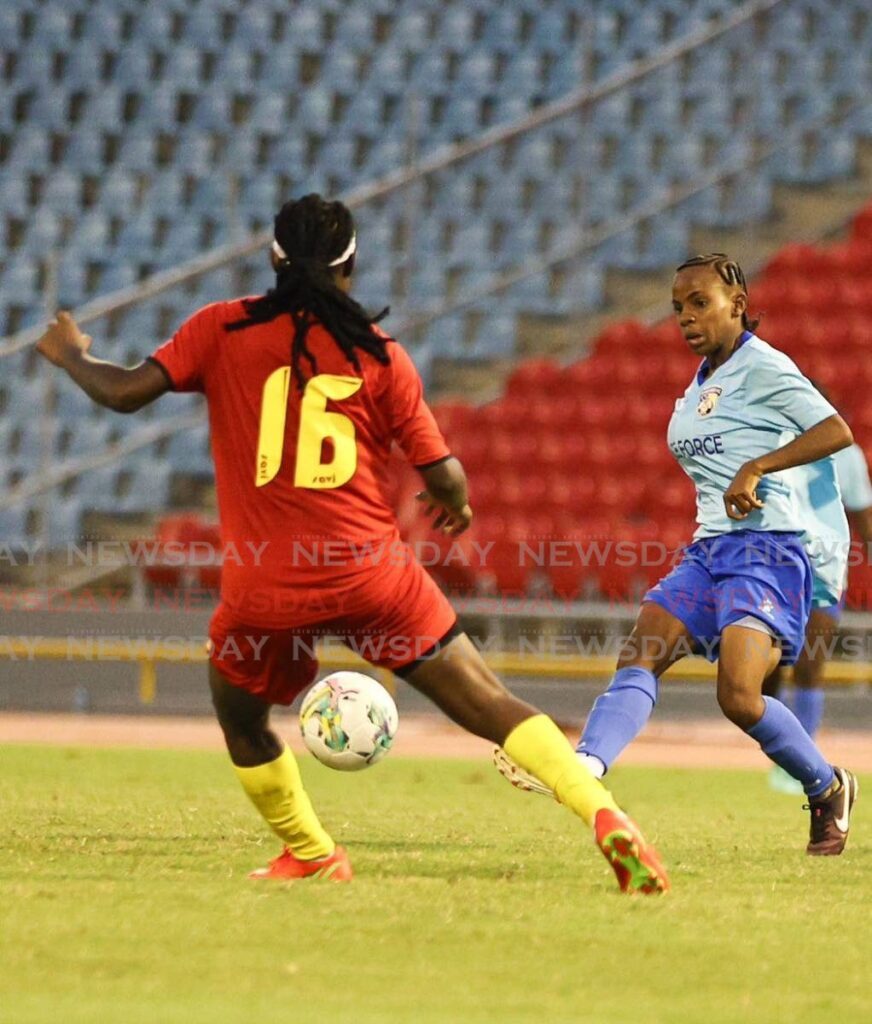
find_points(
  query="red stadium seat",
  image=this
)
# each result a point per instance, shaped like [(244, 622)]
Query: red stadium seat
[(574, 563), (861, 227), (587, 377), (535, 377), (181, 533), (619, 338), (455, 419), (666, 337)]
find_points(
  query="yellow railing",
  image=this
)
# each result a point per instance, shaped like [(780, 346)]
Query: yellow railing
[(149, 653)]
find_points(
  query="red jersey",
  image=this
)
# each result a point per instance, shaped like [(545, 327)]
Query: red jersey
[(301, 476)]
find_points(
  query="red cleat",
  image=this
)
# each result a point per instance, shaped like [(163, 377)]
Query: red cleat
[(286, 867), (633, 860)]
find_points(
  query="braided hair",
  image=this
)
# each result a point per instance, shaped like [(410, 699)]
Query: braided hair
[(311, 233), (729, 272)]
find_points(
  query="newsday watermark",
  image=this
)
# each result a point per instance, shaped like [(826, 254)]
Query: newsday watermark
[(476, 555), (254, 646)]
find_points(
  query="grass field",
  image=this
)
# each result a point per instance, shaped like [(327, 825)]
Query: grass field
[(124, 899)]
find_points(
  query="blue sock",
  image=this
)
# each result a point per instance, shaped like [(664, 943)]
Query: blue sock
[(808, 706), (619, 715), (785, 742)]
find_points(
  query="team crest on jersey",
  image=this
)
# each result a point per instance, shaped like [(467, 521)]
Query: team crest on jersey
[(708, 400)]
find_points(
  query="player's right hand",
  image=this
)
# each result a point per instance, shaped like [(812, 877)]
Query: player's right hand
[(62, 339), (448, 520)]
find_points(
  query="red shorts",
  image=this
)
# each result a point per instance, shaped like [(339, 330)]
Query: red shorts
[(391, 617)]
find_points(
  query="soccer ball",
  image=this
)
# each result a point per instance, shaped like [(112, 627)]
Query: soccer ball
[(348, 721)]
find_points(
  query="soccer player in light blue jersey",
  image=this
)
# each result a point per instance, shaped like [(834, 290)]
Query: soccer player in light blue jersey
[(828, 543), (742, 592)]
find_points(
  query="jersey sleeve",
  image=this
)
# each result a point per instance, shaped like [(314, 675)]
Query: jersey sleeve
[(413, 425), (853, 476), (187, 355), (780, 385)]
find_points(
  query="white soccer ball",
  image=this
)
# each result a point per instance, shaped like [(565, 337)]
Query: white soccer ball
[(348, 721)]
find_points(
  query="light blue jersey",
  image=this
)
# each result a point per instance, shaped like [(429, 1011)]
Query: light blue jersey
[(852, 473), (755, 402), (827, 536)]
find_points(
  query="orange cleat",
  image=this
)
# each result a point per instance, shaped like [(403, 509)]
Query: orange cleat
[(633, 860), (286, 867)]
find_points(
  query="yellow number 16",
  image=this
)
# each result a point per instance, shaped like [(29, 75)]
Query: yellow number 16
[(316, 426)]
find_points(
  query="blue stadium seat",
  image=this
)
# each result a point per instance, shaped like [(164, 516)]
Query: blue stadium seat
[(189, 452), (53, 29), (154, 25), (91, 237), (13, 527), (72, 281), (117, 192), (19, 281), (14, 196), (254, 23), (103, 24), (148, 485), (117, 275), (105, 108), (496, 335), (29, 153), (411, 30), (34, 66), (65, 522), (133, 68)]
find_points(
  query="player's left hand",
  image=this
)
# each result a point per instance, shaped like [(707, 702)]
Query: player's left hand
[(63, 339), (740, 498), (448, 520)]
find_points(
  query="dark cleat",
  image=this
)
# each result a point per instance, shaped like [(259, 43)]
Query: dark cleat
[(831, 817)]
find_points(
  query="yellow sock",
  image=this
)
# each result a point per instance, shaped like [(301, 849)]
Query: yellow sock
[(541, 749), (276, 790)]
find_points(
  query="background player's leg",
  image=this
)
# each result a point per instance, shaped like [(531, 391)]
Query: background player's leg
[(657, 641), (806, 696), (267, 769), (746, 657), (808, 672)]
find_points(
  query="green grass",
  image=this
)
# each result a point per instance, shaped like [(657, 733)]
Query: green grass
[(123, 898)]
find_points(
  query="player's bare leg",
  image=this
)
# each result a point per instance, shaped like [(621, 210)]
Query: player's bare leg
[(458, 681), (269, 775)]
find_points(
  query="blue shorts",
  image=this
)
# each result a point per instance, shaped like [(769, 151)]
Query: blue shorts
[(723, 579)]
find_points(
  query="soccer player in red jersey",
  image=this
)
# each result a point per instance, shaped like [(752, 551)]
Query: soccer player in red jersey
[(306, 397)]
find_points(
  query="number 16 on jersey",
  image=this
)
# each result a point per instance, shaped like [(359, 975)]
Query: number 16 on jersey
[(316, 426)]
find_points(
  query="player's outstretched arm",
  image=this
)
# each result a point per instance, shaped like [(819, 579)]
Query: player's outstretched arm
[(116, 387), (447, 495)]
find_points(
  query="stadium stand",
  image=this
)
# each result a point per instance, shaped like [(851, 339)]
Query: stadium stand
[(136, 135)]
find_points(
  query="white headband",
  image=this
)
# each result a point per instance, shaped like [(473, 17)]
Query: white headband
[(350, 249)]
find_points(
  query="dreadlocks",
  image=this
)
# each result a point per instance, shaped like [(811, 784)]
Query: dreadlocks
[(729, 272), (311, 236)]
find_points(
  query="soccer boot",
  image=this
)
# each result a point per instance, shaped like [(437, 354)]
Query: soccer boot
[(286, 867), (634, 861), (517, 776), (831, 817)]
